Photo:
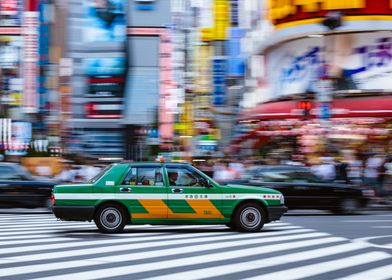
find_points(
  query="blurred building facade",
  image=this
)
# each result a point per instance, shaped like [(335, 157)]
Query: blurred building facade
[(311, 81), (24, 59)]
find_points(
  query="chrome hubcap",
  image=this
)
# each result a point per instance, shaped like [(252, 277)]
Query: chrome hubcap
[(250, 217), (110, 218)]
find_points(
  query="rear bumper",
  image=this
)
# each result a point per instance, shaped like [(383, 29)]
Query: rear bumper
[(275, 212), (74, 213)]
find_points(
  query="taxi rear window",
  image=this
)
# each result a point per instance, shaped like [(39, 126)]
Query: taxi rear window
[(100, 174)]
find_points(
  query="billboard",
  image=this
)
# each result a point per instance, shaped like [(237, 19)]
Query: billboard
[(10, 12), (106, 76), (284, 12), (364, 59), (104, 21)]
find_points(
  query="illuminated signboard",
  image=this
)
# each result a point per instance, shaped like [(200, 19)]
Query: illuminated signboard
[(145, 5), (30, 61), (293, 10), (222, 19), (104, 21), (219, 72), (106, 76)]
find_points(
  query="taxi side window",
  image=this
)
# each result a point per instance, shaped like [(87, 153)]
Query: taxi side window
[(144, 176), (179, 176)]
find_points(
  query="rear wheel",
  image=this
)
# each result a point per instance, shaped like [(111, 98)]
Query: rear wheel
[(249, 217), (110, 218)]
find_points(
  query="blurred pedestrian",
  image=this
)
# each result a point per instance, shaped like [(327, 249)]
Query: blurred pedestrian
[(326, 170), (224, 173), (372, 172), (387, 187)]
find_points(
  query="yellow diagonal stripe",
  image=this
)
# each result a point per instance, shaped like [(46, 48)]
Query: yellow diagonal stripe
[(204, 208), (156, 208)]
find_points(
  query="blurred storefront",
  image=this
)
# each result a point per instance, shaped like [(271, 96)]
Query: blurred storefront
[(321, 87)]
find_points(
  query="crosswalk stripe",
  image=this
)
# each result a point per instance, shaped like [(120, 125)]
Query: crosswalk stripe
[(249, 238), (379, 273), (204, 258), (265, 262), (186, 251), (121, 256), (33, 241), (152, 237), (44, 225), (23, 217), (44, 230), (324, 267)]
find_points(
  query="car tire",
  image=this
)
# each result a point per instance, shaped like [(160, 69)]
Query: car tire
[(249, 217), (110, 218)]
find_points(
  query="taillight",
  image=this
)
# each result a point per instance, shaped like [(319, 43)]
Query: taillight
[(52, 199)]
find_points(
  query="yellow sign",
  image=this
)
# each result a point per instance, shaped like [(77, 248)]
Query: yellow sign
[(279, 9), (206, 34), (222, 19)]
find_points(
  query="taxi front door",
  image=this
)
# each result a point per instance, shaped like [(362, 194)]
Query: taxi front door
[(189, 199)]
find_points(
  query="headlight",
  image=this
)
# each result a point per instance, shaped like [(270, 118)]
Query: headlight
[(282, 199)]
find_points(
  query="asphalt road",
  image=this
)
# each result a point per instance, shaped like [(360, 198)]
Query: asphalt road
[(304, 245), (372, 227)]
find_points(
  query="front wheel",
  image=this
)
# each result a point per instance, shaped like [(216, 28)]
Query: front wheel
[(110, 219), (249, 217)]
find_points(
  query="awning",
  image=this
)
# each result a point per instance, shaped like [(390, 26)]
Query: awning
[(375, 106)]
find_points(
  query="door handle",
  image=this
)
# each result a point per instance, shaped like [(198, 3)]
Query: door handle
[(177, 190), (125, 189)]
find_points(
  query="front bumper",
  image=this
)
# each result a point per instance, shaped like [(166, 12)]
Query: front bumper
[(74, 213), (275, 212)]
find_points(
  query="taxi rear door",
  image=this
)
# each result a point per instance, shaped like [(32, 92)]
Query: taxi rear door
[(144, 192)]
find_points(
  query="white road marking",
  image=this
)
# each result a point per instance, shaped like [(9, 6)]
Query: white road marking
[(381, 226), (152, 237), (200, 259), (144, 244), (366, 240), (186, 247), (324, 267), (35, 231), (261, 263), (366, 221), (379, 273)]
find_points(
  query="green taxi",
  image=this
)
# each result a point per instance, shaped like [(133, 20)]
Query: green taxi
[(164, 193)]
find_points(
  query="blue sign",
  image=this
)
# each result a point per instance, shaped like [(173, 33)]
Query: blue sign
[(236, 63), (145, 5), (219, 72), (325, 112)]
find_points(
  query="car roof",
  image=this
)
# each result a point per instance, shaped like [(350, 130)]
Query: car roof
[(279, 168), (147, 163)]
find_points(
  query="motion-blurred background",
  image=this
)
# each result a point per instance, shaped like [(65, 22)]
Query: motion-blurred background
[(303, 82)]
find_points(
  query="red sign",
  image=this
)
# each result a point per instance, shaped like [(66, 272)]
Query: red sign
[(30, 61), (8, 7), (289, 11)]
